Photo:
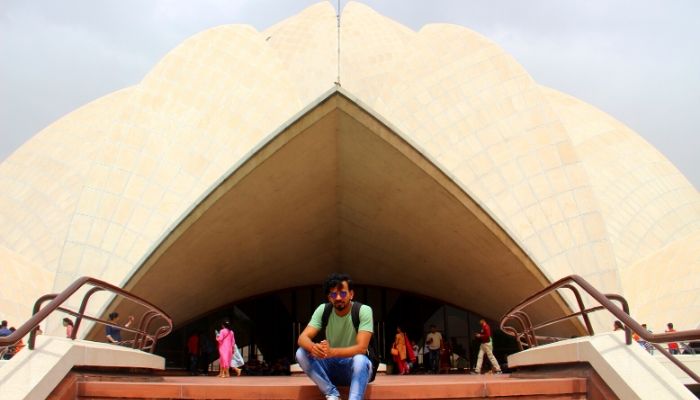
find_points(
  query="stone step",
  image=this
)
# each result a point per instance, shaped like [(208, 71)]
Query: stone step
[(434, 387)]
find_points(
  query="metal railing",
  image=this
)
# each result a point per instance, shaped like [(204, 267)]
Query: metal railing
[(143, 338), (517, 323)]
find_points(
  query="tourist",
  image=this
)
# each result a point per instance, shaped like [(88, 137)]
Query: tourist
[(68, 324), (15, 348), (434, 342), (672, 346), (617, 326), (3, 329), (206, 352), (237, 359), (410, 353), (399, 351), (416, 352), (648, 346), (485, 346), (193, 352), (643, 343), (114, 333), (226, 341), (445, 356), (342, 357)]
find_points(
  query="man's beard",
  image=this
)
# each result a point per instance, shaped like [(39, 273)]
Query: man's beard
[(339, 306)]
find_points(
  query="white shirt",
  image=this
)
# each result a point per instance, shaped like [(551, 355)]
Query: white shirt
[(437, 338)]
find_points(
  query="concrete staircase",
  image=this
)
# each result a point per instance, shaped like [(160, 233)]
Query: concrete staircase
[(81, 385), (599, 367)]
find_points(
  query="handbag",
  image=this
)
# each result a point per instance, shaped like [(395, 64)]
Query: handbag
[(394, 351)]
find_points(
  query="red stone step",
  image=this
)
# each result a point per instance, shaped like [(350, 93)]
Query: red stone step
[(435, 387)]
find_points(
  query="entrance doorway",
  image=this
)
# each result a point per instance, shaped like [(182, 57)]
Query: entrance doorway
[(267, 327)]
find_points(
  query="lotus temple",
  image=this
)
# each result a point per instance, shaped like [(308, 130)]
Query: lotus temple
[(429, 165)]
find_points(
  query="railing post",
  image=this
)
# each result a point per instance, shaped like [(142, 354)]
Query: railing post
[(144, 323), (626, 309), (528, 329), (81, 310), (37, 307), (582, 309)]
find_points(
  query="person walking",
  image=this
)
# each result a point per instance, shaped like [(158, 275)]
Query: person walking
[(485, 347), (342, 357), (225, 339)]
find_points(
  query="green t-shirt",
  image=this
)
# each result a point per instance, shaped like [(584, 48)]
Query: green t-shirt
[(340, 331)]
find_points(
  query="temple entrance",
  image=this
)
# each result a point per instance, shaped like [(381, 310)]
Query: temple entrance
[(267, 327), (337, 190)]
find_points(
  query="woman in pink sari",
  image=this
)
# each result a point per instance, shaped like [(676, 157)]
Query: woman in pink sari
[(225, 339)]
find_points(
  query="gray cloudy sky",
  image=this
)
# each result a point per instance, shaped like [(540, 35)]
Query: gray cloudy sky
[(638, 60)]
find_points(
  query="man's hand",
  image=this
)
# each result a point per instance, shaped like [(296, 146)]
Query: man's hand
[(320, 350), (323, 348)]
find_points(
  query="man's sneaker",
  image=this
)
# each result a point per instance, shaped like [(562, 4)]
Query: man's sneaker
[(498, 372), (332, 398)]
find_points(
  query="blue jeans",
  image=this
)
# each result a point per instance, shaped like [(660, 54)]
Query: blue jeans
[(329, 372), (434, 365)]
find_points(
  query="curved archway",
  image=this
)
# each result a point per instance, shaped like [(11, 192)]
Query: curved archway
[(338, 190)]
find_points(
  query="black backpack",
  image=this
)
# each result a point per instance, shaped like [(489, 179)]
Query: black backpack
[(355, 313)]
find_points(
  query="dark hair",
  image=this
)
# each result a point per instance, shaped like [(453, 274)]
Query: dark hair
[(113, 315), (226, 324), (334, 280), (670, 325), (3, 323), (68, 321)]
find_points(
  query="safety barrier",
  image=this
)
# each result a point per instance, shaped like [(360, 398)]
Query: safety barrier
[(517, 323), (144, 339)]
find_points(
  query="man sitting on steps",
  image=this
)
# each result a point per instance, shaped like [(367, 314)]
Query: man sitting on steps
[(341, 358)]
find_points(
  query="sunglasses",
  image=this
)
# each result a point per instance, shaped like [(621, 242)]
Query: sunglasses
[(342, 294)]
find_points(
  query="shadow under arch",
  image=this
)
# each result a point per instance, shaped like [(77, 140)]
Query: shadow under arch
[(338, 190), (267, 325)]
